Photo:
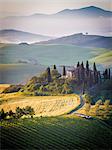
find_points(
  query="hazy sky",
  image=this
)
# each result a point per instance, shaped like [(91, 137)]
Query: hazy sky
[(26, 7)]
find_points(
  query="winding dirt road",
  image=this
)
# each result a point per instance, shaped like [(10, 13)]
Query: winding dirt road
[(82, 102)]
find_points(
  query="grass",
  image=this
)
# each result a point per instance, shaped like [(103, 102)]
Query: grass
[(104, 58), (55, 133), (48, 54), (43, 105)]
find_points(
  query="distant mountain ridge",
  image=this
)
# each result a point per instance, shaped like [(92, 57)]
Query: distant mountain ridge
[(85, 11), (17, 36), (91, 19), (88, 11), (83, 40)]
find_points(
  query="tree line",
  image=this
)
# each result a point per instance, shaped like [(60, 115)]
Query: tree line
[(27, 111), (97, 105)]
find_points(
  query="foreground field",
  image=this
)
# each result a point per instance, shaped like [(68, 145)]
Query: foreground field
[(67, 132), (43, 105)]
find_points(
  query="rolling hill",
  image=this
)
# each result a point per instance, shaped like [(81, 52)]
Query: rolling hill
[(16, 36), (90, 11), (83, 40), (105, 59), (42, 105)]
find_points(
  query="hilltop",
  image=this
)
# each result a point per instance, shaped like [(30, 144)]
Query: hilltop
[(80, 79), (80, 39), (90, 11), (17, 36)]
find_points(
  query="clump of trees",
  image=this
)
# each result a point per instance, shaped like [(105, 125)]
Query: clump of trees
[(27, 111), (49, 82), (102, 91), (105, 107), (3, 115), (87, 108), (107, 74), (87, 99), (99, 109)]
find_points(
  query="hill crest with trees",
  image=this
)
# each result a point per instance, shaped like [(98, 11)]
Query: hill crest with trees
[(81, 79)]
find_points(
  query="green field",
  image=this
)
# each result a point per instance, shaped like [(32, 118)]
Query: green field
[(105, 58), (56, 133), (47, 54), (19, 62)]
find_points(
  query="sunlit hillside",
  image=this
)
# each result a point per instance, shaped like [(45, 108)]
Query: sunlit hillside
[(105, 59), (43, 105)]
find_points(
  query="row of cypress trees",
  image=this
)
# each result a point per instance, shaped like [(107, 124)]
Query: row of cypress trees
[(48, 70), (97, 76)]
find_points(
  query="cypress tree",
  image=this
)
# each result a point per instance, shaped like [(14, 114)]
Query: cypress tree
[(90, 79), (48, 74), (94, 67), (87, 69), (100, 77), (106, 74), (87, 65), (82, 72), (54, 67), (64, 71), (78, 64), (82, 65), (109, 73), (95, 73)]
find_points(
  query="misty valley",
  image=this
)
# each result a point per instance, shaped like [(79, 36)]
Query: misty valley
[(20, 62)]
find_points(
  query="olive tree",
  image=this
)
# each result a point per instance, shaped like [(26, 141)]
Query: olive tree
[(97, 106), (106, 105), (87, 108)]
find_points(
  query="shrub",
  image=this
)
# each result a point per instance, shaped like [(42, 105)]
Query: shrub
[(87, 98), (29, 111), (19, 112), (55, 74), (11, 114), (87, 108), (106, 104), (3, 115), (97, 105), (99, 102)]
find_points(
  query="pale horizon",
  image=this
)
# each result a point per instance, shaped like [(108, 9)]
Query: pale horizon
[(28, 7), (54, 27)]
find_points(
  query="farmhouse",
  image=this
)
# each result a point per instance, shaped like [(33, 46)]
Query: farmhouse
[(81, 73)]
